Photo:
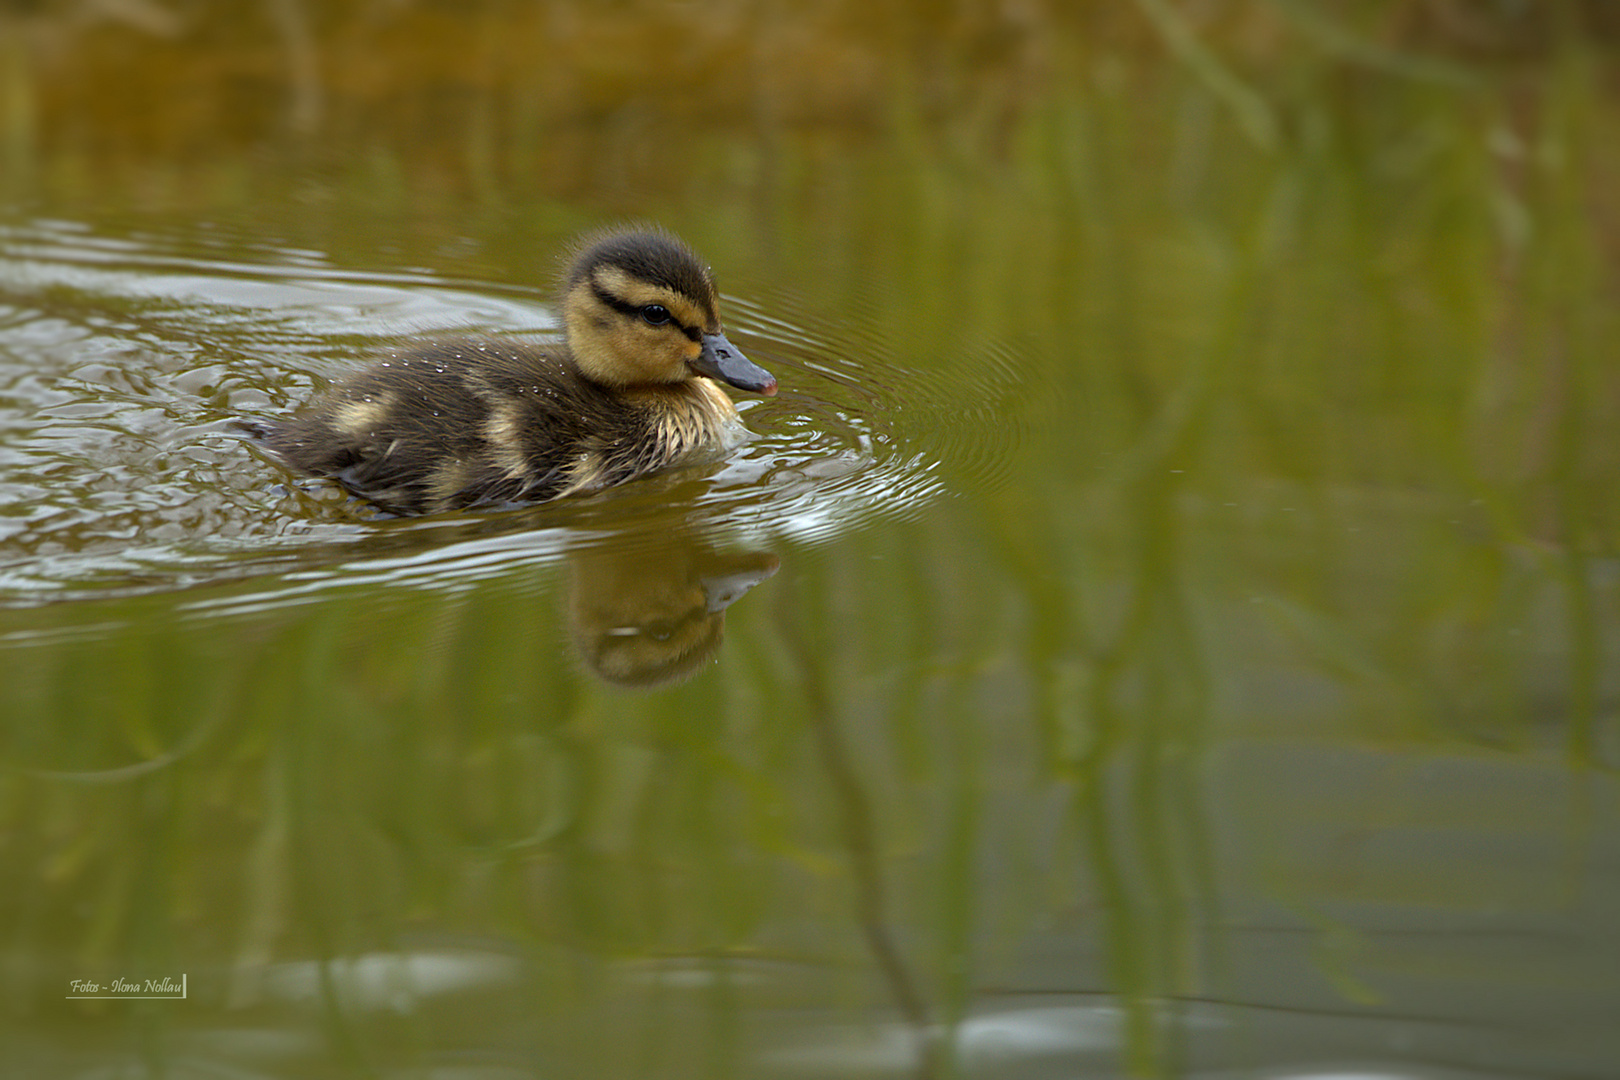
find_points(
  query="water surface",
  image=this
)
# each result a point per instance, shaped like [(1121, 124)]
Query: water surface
[(1168, 623)]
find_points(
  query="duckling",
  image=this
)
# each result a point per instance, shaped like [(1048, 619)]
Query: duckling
[(456, 424)]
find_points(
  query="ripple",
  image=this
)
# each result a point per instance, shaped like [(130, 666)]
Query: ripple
[(124, 360)]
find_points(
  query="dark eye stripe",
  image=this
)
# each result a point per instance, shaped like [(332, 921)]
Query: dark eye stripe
[(624, 307)]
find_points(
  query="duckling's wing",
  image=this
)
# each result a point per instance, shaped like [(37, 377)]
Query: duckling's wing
[(383, 437), (452, 425)]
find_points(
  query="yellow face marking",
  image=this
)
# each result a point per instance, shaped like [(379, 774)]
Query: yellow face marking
[(615, 282), (622, 349)]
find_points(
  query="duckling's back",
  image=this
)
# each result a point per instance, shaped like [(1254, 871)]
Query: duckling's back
[(458, 424)]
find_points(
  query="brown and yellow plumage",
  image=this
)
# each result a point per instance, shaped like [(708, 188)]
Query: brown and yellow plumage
[(454, 424)]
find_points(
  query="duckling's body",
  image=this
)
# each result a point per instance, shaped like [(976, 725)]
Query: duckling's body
[(455, 424)]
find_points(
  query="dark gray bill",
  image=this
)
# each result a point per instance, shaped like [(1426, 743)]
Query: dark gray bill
[(722, 360)]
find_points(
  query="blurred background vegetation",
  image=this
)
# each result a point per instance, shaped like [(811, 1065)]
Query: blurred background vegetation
[(1305, 427)]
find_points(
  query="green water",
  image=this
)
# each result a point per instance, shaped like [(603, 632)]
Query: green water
[(1168, 623)]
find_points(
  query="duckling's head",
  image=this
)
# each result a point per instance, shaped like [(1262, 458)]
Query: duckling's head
[(640, 309)]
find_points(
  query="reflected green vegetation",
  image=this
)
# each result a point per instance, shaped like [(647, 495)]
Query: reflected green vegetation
[(1250, 692)]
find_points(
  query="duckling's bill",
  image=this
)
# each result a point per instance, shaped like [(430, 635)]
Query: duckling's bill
[(722, 360)]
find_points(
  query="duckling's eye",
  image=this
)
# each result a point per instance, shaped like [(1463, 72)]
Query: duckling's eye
[(655, 314)]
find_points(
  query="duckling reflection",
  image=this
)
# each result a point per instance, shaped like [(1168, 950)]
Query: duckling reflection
[(455, 424), (650, 614)]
